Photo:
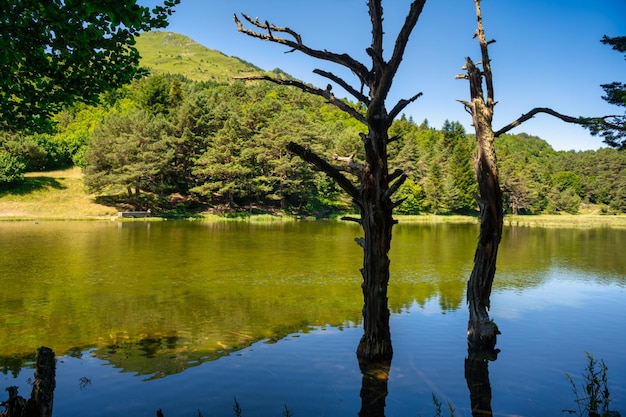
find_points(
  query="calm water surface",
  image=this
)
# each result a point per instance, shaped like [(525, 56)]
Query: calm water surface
[(184, 316)]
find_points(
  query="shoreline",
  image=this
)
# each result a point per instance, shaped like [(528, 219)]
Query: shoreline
[(60, 196), (536, 220)]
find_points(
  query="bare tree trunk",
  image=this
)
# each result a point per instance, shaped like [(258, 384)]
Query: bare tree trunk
[(481, 330), (377, 223)]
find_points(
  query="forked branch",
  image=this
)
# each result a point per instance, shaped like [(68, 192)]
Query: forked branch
[(343, 84), (401, 42)]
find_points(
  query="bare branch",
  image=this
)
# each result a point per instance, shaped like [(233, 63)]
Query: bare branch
[(342, 59), (351, 166), (395, 186), (395, 174), (343, 84), (376, 16), (352, 219), (401, 43), (525, 117), (401, 105), (379, 61), (486, 62), (399, 202), (467, 106), (312, 158), (311, 90)]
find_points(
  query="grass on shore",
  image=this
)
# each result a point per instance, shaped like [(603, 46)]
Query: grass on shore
[(60, 195), (52, 195)]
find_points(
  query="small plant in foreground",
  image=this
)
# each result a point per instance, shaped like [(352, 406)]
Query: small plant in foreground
[(593, 397), (237, 408), (438, 412), (286, 412)]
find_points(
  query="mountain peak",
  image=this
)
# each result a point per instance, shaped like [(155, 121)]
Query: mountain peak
[(168, 52)]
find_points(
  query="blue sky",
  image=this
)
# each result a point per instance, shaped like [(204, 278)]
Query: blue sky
[(547, 53)]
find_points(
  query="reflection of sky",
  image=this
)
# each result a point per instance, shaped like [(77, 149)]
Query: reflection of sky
[(560, 288)]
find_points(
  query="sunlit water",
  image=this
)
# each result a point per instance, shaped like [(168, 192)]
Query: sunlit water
[(187, 316)]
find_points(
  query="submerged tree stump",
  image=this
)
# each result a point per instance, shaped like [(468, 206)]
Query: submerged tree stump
[(42, 396)]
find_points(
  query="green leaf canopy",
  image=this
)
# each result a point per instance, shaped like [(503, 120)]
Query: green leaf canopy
[(58, 52)]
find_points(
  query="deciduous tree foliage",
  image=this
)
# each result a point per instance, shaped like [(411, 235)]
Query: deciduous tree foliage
[(56, 53)]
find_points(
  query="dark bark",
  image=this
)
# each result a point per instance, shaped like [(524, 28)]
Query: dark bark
[(376, 219), (481, 330), (373, 194), (42, 396)]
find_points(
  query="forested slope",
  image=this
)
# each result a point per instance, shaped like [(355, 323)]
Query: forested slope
[(190, 137)]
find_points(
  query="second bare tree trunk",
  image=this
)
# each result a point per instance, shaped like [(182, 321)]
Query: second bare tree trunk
[(481, 330)]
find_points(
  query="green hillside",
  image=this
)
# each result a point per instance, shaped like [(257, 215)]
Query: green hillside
[(167, 52)]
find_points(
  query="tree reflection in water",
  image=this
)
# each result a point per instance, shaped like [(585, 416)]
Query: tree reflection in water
[(374, 387), (477, 377), (375, 377)]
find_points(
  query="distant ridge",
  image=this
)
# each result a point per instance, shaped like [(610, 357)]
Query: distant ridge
[(167, 52)]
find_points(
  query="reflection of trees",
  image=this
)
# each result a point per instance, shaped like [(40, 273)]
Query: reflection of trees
[(477, 377), (585, 249), (14, 364), (156, 355), (376, 376)]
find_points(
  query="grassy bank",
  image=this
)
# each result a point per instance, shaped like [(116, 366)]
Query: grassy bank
[(60, 195), (52, 195)]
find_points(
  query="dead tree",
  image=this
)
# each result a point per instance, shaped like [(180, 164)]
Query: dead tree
[(374, 185), (482, 332)]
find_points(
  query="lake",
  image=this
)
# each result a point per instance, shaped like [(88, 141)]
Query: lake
[(186, 316)]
